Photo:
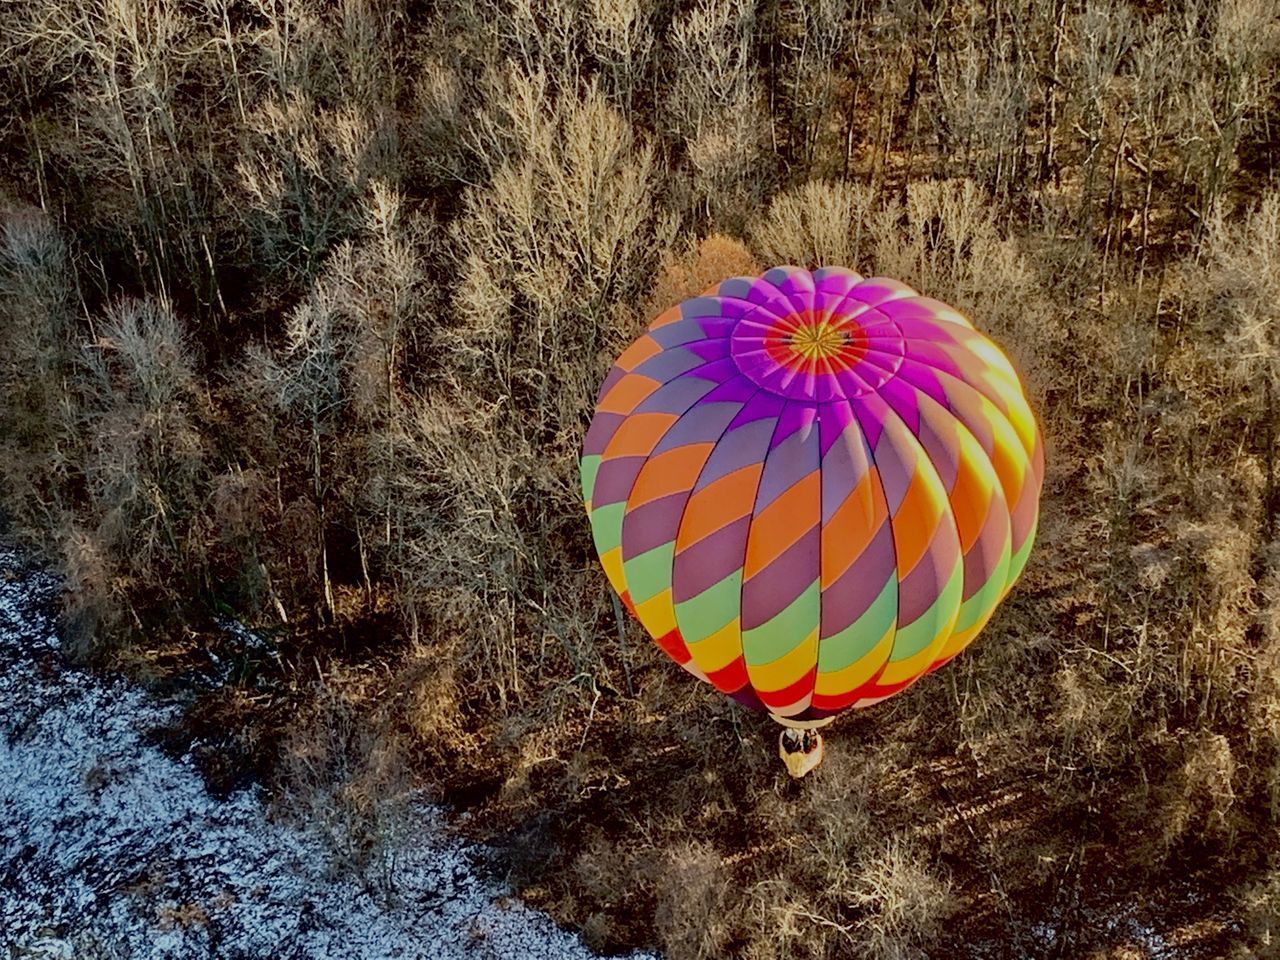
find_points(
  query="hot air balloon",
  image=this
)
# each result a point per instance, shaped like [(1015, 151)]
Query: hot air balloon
[(811, 489)]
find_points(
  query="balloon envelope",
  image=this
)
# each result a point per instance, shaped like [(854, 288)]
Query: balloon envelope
[(812, 488)]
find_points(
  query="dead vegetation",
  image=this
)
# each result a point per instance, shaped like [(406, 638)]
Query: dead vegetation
[(302, 311)]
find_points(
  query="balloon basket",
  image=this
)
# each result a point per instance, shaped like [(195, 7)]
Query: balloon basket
[(800, 745)]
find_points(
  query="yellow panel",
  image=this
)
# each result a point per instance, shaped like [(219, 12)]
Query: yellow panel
[(788, 668), (903, 670), (612, 563), (657, 614), (720, 649), (848, 678)]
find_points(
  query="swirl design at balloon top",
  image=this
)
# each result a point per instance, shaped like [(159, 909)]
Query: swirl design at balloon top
[(812, 488)]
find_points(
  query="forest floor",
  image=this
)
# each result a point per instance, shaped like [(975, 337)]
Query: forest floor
[(111, 848)]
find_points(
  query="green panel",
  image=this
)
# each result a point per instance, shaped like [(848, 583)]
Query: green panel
[(606, 526), (713, 608), (858, 639), (921, 632), (779, 636), (1020, 558), (589, 466), (650, 573)]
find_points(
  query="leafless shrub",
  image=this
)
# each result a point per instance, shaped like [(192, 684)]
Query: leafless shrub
[(463, 552), (304, 171), (692, 891), (1244, 260), (714, 103), (135, 138), (341, 366), (345, 778), (819, 223), (816, 32), (904, 903), (144, 468), (1105, 32), (1206, 799), (436, 134), (1261, 905), (987, 111), (37, 302), (564, 231), (620, 38)]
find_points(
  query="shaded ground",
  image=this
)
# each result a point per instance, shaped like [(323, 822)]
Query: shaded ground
[(110, 848)]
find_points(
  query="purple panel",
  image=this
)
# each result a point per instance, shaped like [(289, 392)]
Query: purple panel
[(778, 585), (941, 448), (797, 286), (705, 423), (762, 406), (932, 330), (828, 389), (603, 427), (709, 350), (876, 290), (683, 392), (738, 309), (769, 297), (737, 389), (832, 420), (796, 418), (669, 364), (792, 456), (741, 446), (904, 401), (615, 374), (844, 465), (700, 306), (869, 411), (965, 404), (920, 589), (834, 283), (852, 384), (924, 379), (652, 524), (614, 480), (959, 363), (1024, 513), (737, 288), (850, 308), (924, 309), (857, 588), (895, 454), (679, 333), (710, 560)]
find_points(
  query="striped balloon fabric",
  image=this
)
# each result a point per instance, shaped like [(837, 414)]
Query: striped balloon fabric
[(812, 488)]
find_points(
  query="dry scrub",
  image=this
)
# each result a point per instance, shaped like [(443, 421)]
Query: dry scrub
[(303, 307)]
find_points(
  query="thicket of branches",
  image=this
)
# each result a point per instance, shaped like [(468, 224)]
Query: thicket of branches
[(302, 308)]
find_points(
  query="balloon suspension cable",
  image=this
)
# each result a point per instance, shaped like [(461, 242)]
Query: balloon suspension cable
[(800, 744)]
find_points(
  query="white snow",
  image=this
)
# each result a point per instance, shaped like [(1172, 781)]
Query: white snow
[(111, 849)]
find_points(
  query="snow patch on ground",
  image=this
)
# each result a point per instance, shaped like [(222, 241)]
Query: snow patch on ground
[(111, 849)]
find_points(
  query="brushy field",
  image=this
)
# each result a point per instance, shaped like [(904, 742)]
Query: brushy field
[(302, 309)]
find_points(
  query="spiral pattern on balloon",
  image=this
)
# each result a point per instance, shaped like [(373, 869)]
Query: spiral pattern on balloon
[(812, 488)]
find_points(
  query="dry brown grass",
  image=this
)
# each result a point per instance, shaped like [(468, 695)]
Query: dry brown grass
[(302, 312)]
